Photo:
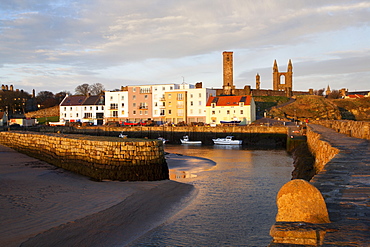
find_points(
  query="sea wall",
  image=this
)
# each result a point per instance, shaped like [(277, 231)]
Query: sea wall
[(100, 158), (358, 129), (321, 149), (253, 136)]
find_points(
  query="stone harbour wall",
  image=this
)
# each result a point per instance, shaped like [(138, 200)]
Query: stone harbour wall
[(322, 150), (99, 158), (357, 129)]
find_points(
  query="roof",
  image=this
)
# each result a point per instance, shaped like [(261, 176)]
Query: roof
[(73, 100), (94, 100), (229, 100), (355, 96)]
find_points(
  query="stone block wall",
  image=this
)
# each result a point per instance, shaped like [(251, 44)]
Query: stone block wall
[(320, 149), (357, 129), (100, 158)]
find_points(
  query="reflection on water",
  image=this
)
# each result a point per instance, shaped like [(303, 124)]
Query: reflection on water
[(236, 201)]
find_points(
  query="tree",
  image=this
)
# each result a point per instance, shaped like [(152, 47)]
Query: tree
[(96, 89), (86, 89), (319, 92), (83, 89), (334, 94), (45, 99), (61, 95)]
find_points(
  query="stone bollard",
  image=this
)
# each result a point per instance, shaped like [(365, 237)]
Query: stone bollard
[(301, 214)]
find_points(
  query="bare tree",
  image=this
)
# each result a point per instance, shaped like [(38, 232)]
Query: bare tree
[(334, 94), (96, 89), (83, 89), (319, 92)]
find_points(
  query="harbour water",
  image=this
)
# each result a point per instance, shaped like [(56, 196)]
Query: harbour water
[(235, 205)]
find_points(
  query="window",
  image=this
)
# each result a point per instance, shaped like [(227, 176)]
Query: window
[(76, 114), (191, 111), (123, 112), (122, 97), (241, 112), (114, 113), (155, 88), (145, 96), (123, 104), (163, 88), (191, 95), (213, 112), (200, 102), (90, 108), (180, 112), (65, 108), (88, 115), (169, 96), (141, 112), (228, 112), (113, 106), (180, 104), (213, 105), (156, 104), (71, 108), (200, 111), (146, 112), (200, 95), (171, 88), (155, 112), (191, 103), (111, 97), (97, 108), (85, 108), (134, 112), (169, 112), (179, 96), (241, 104), (133, 104), (134, 89), (162, 112), (134, 97)]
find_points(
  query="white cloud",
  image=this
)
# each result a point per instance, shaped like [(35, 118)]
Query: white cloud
[(164, 40)]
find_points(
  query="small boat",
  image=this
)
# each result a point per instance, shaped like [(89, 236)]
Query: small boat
[(162, 139), (122, 135), (231, 122), (227, 141), (185, 140)]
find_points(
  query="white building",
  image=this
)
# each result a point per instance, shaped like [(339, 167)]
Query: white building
[(116, 106), (196, 103), (231, 108), (84, 109)]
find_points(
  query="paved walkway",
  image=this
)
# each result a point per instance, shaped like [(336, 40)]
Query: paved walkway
[(345, 185)]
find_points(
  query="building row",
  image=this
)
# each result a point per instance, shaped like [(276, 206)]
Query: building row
[(165, 103)]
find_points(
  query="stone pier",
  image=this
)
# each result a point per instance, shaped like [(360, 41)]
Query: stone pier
[(98, 157), (343, 178)]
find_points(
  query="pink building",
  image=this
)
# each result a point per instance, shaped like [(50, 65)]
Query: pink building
[(140, 103)]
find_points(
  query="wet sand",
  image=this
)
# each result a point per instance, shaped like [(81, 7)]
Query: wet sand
[(41, 205)]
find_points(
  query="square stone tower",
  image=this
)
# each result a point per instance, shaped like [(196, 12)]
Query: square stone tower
[(228, 85)]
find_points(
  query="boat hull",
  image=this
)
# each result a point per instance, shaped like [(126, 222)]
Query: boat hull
[(190, 142), (223, 142)]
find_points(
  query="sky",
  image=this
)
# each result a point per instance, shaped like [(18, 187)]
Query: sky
[(57, 45)]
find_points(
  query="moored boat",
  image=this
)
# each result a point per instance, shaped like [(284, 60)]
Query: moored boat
[(227, 141), (185, 140), (162, 139)]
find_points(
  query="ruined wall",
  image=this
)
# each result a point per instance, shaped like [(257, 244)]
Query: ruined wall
[(96, 157), (357, 129)]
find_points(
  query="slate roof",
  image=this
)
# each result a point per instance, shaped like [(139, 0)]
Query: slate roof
[(229, 100), (73, 100), (76, 100)]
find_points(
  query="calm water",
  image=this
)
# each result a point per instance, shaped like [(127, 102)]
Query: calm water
[(235, 205)]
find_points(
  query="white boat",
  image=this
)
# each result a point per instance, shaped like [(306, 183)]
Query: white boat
[(185, 140), (227, 141), (122, 135), (162, 139)]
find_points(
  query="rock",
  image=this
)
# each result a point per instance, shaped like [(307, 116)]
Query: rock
[(299, 201)]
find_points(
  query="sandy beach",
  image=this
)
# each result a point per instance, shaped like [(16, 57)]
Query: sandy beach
[(41, 205)]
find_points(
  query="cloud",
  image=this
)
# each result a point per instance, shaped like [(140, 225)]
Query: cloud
[(164, 40)]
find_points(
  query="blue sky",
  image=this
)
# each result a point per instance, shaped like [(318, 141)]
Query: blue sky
[(58, 45)]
